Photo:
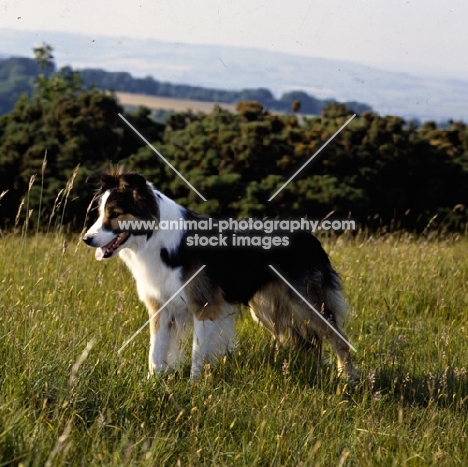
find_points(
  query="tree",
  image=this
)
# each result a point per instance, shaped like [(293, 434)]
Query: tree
[(43, 56), (335, 109), (378, 170), (296, 106), (74, 125)]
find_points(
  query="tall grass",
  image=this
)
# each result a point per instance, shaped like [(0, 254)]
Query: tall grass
[(68, 398)]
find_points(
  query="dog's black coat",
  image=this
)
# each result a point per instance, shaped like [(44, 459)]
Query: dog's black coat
[(242, 271)]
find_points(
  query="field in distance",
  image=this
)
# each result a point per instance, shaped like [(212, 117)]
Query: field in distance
[(168, 103)]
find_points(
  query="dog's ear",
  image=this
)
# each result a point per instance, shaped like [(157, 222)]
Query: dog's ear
[(144, 200), (103, 179), (135, 182)]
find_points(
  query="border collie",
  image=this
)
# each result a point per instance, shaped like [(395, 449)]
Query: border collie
[(162, 261)]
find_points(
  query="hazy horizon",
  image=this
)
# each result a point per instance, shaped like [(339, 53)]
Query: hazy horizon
[(415, 37)]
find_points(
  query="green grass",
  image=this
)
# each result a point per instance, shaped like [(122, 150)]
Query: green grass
[(61, 404)]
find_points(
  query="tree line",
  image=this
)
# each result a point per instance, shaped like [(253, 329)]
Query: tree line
[(17, 76), (382, 172)]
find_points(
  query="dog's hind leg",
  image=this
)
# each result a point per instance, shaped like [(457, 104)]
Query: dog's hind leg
[(310, 324), (313, 327), (335, 303), (342, 349), (333, 310)]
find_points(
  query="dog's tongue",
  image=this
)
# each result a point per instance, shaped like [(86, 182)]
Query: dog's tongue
[(99, 254)]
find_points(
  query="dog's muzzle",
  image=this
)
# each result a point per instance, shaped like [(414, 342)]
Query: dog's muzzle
[(88, 239)]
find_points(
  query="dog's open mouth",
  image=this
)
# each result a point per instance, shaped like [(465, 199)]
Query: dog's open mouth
[(109, 250)]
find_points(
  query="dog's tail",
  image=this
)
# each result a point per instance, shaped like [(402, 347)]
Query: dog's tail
[(325, 295), (334, 301)]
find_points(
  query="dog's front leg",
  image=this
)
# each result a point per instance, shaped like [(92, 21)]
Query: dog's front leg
[(159, 337), (167, 330), (212, 338)]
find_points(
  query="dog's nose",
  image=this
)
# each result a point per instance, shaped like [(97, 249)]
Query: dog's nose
[(87, 239)]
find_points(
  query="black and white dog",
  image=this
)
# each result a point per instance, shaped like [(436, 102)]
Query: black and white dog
[(162, 261)]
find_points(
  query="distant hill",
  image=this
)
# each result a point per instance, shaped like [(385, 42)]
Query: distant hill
[(423, 96), (17, 75), (125, 82)]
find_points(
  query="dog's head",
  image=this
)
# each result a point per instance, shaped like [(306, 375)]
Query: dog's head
[(128, 210)]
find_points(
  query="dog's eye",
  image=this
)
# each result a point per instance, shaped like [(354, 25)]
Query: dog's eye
[(114, 215)]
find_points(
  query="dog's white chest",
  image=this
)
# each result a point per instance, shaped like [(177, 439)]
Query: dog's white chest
[(153, 278)]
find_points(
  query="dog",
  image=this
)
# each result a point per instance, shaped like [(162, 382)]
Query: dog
[(163, 263)]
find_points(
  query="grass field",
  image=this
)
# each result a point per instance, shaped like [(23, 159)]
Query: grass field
[(67, 398), (167, 103)]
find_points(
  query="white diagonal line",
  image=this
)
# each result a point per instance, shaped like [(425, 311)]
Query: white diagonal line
[(162, 157), (159, 311), (313, 308), (316, 153)]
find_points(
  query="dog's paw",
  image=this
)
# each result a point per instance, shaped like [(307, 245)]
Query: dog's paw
[(349, 372), (157, 370), (352, 376)]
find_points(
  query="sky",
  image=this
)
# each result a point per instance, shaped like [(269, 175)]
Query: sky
[(414, 35)]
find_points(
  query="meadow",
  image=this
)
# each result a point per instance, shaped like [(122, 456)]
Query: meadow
[(133, 100), (68, 398)]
